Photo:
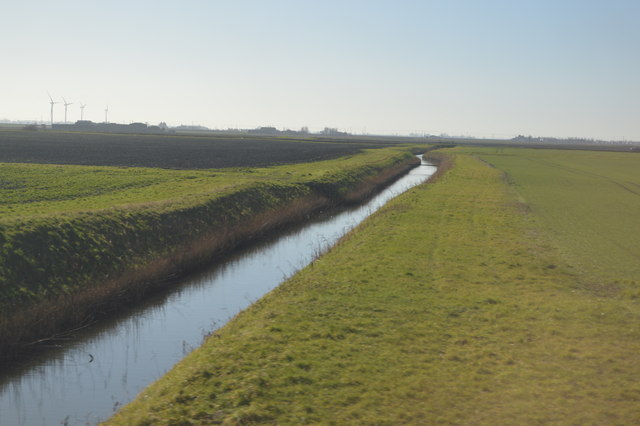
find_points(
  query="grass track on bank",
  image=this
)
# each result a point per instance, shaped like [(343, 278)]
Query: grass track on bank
[(448, 306)]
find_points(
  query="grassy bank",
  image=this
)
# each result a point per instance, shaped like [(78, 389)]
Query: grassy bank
[(77, 242), (451, 305)]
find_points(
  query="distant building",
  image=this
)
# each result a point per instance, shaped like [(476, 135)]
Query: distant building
[(267, 130), (332, 131), (90, 126)]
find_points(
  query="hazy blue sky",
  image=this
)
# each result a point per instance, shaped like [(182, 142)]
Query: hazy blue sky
[(485, 67)]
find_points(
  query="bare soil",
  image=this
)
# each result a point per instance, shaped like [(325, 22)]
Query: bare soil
[(171, 151)]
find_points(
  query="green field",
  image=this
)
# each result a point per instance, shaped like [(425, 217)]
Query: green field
[(471, 300), (589, 205), (28, 190)]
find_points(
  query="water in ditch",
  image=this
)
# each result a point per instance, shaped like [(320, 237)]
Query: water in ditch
[(86, 379)]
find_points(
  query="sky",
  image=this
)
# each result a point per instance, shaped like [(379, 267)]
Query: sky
[(483, 68)]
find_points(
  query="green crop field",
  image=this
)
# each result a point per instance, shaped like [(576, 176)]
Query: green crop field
[(477, 299), (44, 189), (589, 205)]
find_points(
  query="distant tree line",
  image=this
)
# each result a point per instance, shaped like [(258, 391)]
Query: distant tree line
[(269, 130), (577, 141)]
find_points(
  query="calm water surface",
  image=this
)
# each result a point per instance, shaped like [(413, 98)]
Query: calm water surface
[(106, 366)]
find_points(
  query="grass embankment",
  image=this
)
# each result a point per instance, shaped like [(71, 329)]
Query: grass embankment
[(76, 241), (448, 306)]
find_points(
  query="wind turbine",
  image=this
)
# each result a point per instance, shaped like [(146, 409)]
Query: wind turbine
[(52, 104), (106, 111), (82, 110), (66, 104)]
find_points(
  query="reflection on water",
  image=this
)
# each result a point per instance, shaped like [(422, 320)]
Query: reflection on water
[(108, 365)]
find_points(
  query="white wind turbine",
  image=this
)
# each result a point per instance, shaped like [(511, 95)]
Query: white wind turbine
[(66, 104), (82, 110), (52, 104), (106, 111)]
